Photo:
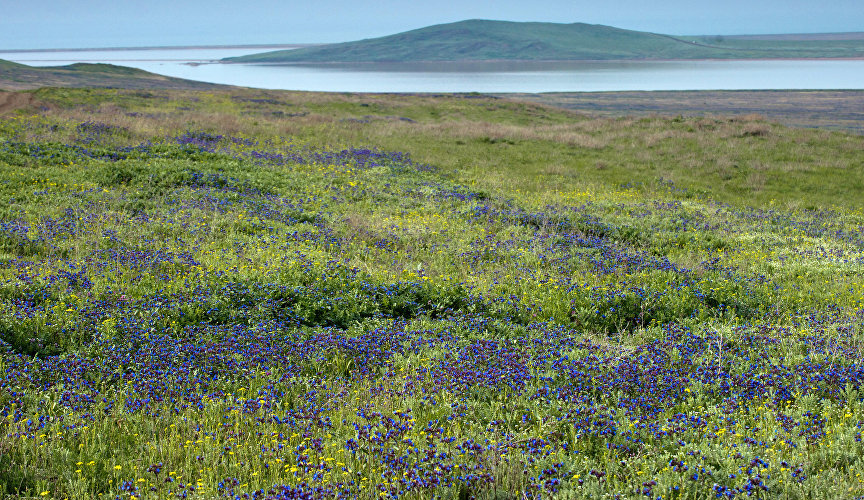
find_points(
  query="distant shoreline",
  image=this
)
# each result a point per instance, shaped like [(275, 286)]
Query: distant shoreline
[(534, 61), (166, 47), (198, 62)]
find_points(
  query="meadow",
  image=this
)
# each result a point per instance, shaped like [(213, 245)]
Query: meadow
[(250, 294)]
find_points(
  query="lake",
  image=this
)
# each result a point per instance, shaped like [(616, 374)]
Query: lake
[(198, 64)]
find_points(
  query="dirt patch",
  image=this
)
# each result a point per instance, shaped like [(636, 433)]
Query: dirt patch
[(831, 109), (11, 101)]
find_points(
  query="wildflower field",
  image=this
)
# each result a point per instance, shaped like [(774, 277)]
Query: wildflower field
[(245, 294)]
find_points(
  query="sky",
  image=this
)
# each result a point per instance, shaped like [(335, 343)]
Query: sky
[(26, 24)]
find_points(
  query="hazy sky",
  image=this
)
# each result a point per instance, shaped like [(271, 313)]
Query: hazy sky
[(111, 23)]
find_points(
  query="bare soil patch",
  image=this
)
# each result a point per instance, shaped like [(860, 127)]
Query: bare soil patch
[(12, 101)]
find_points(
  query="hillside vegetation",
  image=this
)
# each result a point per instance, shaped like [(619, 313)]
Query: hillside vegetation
[(476, 40), (14, 76), (249, 294)]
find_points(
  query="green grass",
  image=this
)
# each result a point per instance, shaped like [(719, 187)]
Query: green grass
[(478, 40), (212, 294), (9, 64), (507, 144), (16, 76)]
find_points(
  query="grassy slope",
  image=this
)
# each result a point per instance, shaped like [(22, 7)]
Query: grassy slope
[(744, 160), (8, 65), (14, 76), (501, 40), (235, 312)]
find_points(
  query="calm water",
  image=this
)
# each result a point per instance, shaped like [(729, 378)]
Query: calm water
[(197, 64)]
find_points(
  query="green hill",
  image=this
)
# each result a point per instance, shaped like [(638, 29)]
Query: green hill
[(15, 76), (475, 40)]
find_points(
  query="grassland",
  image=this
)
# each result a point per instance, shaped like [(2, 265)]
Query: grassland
[(15, 76), (299, 295), (484, 40)]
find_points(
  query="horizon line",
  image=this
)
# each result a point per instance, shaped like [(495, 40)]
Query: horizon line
[(166, 47)]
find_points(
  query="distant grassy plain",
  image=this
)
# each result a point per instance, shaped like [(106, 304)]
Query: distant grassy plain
[(830, 109), (303, 295)]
